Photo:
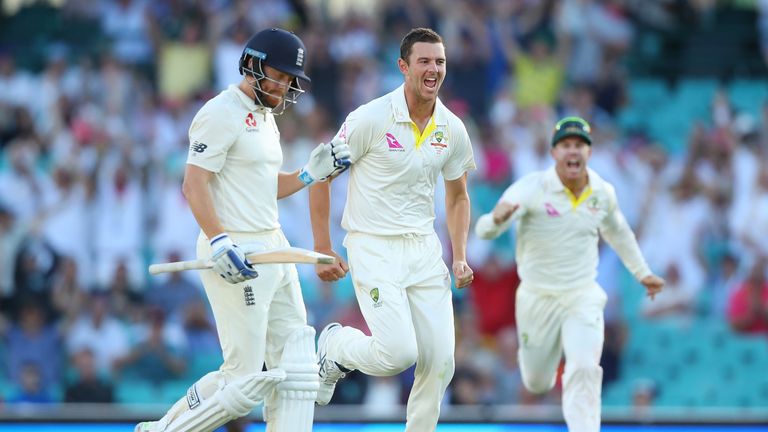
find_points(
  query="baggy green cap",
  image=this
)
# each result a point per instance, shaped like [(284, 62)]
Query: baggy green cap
[(572, 126)]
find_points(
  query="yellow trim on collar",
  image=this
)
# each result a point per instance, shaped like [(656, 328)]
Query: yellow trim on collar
[(421, 136), (576, 201)]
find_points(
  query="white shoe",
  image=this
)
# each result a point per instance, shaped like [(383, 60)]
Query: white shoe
[(330, 371), (150, 426)]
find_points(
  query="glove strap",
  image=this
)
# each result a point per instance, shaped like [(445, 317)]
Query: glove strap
[(305, 177), (221, 241)]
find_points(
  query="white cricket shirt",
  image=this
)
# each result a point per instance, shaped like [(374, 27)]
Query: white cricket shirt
[(395, 166), (238, 140), (557, 234)]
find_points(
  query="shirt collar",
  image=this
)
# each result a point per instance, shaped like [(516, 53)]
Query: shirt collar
[(249, 103), (401, 113)]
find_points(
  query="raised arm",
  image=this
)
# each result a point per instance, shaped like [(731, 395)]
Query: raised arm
[(493, 224)]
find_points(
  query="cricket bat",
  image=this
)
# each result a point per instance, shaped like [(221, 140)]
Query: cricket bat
[(273, 256)]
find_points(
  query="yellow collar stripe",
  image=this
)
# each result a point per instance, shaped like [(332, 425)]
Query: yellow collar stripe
[(576, 201), (421, 136)]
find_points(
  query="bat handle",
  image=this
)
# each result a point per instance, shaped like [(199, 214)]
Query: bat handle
[(179, 266)]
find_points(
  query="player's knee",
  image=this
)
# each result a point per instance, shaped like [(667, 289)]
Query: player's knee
[(538, 383), (583, 373), (397, 358)]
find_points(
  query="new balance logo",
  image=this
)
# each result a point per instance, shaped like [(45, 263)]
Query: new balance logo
[(198, 147), (393, 144)]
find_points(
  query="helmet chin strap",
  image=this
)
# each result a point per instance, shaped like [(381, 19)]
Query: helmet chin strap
[(290, 97)]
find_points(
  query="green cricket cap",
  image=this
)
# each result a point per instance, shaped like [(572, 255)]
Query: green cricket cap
[(572, 126)]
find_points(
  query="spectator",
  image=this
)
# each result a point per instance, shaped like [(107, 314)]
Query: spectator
[(493, 295), (538, 70), (465, 387), (199, 330), (644, 393), (726, 282), (87, 386), (31, 341), (175, 294), (98, 330), (678, 302), (748, 306), (506, 373), (31, 389), (12, 234), (156, 358)]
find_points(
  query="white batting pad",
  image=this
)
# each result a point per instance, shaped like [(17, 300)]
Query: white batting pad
[(582, 398), (294, 408), (233, 400)]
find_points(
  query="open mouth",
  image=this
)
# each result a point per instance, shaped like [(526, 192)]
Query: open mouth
[(430, 82), (573, 163)]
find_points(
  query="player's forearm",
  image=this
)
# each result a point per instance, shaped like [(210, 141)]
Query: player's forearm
[(457, 219), (288, 184), (320, 215), (619, 235), (487, 229)]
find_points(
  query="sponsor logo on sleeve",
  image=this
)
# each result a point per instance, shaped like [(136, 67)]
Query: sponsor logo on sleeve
[(198, 147)]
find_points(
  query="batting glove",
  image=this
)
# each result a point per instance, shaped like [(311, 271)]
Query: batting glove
[(229, 261), (326, 160)]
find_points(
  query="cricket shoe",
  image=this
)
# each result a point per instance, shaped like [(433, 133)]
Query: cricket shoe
[(150, 426), (330, 371)]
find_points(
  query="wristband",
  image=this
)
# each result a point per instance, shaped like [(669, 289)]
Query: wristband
[(305, 177)]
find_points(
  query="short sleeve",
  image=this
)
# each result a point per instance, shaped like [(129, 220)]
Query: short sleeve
[(357, 132), (461, 157), (211, 134)]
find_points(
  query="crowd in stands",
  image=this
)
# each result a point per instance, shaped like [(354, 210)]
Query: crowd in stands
[(93, 142)]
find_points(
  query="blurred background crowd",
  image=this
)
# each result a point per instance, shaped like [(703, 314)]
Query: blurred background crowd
[(96, 98)]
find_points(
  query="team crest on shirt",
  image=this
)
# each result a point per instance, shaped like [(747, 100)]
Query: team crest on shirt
[(250, 123), (375, 297), (439, 143), (593, 205)]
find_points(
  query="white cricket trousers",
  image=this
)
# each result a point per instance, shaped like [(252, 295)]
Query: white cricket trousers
[(254, 318), (404, 292), (552, 323)]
